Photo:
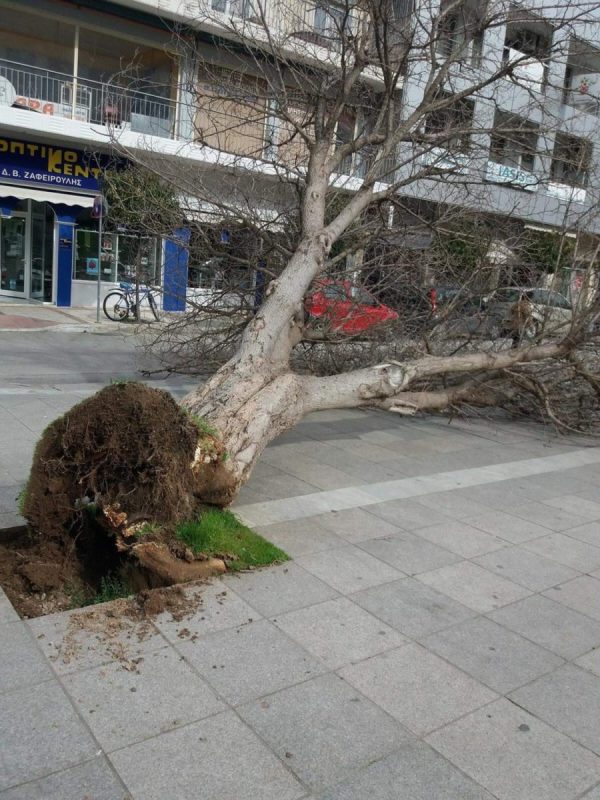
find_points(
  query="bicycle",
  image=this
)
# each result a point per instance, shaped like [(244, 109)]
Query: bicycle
[(120, 303)]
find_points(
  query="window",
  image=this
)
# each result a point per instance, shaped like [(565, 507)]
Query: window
[(122, 255), (527, 35), (514, 142), (450, 126), (232, 113), (236, 8), (332, 20), (571, 160), (460, 29)]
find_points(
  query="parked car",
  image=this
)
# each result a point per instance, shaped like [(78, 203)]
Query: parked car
[(338, 306), (550, 310)]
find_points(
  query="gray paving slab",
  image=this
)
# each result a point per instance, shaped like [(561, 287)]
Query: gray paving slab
[(301, 536), (408, 514), (213, 607), (93, 780), (219, 757), (474, 586), (7, 612), (76, 640), (320, 475), (581, 594), (593, 795), (569, 700), (324, 729), (339, 632), (460, 538), (551, 625), (453, 504), (415, 772), (248, 662), (552, 518), (419, 689), (411, 607), (280, 589), (22, 662), (589, 533), (507, 526), (40, 733), (409, 553), (499, 658), (566, 550), (531, 570), (348, 569), (357, 524), (590, 661), (125, 706), (516, 756), (578, 506)]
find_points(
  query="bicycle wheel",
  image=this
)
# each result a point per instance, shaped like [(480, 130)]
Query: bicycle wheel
[(153, 305), (116, 306)]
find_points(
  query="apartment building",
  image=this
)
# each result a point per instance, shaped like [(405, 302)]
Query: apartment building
[(63, 102)]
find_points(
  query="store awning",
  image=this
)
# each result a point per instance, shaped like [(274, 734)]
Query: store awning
[(41, 196)]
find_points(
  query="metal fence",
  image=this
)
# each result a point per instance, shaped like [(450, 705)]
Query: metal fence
[(57, 94)]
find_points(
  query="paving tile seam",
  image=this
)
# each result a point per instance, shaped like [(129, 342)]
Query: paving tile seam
[(551, 725), (99, 749), (302, 506), (488, 615), (50, 774)]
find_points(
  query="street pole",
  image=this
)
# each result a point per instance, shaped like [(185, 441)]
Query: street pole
[(98, 283)]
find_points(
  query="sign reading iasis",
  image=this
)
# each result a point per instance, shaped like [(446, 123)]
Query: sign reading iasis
[(59, 167)]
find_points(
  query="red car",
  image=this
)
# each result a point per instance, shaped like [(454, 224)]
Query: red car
[(344, 308)]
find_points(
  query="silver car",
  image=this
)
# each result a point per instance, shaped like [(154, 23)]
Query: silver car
[(551, 312)]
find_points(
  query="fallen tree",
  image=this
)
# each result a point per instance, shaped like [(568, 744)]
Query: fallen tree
[(162, 467)]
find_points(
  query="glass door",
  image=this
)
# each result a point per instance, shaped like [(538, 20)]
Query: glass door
[(42, 241), (13, 250)]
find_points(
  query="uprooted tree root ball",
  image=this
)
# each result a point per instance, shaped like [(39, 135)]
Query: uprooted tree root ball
[(109, 482), (129, 448)]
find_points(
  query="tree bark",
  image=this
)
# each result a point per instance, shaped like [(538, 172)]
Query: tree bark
[(251, 400)]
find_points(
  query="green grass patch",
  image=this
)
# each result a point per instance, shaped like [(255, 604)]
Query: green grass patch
[(218, 532), (111, 588)]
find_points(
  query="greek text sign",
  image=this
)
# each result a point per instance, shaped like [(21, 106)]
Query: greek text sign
[(53, 166)]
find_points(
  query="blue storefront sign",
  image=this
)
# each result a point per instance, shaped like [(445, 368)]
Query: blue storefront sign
[(52, 166)]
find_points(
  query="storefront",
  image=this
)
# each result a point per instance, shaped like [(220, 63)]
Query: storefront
[(49, 243), (43, 190)]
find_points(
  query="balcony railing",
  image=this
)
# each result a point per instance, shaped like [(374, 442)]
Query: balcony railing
[(60, 95)]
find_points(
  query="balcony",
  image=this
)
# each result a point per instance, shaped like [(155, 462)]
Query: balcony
[(68, 97)]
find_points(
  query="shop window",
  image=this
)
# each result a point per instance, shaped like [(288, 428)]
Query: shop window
[(123, 257)]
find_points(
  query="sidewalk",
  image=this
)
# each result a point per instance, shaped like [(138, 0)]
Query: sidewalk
[(434, 637), (24, 316)]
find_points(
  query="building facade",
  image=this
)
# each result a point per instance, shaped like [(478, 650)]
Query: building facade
[(64, 97)]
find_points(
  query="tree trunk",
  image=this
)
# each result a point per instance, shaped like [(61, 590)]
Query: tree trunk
[(252, 401)]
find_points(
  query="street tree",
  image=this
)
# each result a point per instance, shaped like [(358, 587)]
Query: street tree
[(341, 184)]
